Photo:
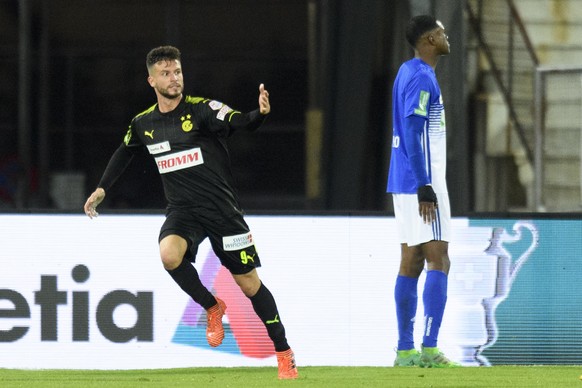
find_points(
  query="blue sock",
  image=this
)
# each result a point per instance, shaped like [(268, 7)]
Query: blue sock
[(434, 298), (406, 297)]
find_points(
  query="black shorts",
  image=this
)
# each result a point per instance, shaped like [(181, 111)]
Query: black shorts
[(230, 237)]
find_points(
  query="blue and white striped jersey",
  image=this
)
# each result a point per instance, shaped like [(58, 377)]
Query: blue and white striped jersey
[(417, 92)]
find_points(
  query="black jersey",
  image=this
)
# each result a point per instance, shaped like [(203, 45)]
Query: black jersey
[(189, 147)]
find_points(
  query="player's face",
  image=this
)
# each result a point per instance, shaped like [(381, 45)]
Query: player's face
[(441, 40), (167, 79)]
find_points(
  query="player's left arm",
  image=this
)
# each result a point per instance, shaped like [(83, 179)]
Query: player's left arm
[(223, 120), (415, 125), (427, 200), (251, 121), (414, 128)]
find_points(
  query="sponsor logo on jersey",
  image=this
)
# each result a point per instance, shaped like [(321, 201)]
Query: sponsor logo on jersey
[(158, 148), (235, 243), (179, 160), (187, 123), (149, 134), (223, 112), (422, 103)]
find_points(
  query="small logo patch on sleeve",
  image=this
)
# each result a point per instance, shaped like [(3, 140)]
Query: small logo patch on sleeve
[(215, 105), (423, 100), (223, 112)]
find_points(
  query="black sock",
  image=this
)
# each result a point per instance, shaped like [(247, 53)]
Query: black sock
[(266, 308), (187, 278)]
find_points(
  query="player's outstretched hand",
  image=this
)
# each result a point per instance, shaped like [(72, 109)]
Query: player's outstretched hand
[(93, 201), (264, 105)]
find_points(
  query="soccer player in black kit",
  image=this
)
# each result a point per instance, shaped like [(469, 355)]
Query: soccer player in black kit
[(186, 136)]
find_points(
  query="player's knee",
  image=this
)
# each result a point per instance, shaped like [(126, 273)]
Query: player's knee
[(172, 250), (170, 263), (248, 283), (249, 289), (411, 269), (441, 263), (170, 259)]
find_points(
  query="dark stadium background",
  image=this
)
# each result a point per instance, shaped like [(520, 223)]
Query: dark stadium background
[(73, 76)]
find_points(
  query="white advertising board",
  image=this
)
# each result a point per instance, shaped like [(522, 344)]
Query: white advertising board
[(77, 293)]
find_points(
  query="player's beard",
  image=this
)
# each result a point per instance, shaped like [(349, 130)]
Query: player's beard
[(171, 96)]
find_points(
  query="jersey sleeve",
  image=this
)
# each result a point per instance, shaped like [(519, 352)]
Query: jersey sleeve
[(116, 166), (224, 120), (131, 140), (417, 103), (120, 159), (416, 158), (418, 96)]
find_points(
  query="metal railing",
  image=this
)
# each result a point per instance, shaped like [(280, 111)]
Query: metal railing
[(558, 117), (503, 39)]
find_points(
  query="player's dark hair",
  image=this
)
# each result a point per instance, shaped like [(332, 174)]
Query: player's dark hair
[(419, 25), (162, 53)]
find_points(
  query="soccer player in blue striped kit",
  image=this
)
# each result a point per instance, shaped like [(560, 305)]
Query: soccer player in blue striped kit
[(417, 182)]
